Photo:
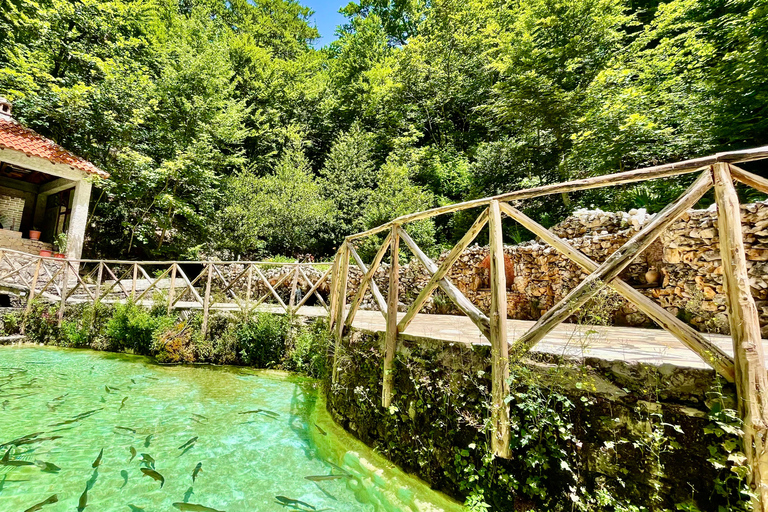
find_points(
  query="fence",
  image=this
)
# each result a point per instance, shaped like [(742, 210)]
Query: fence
[(746, 369)]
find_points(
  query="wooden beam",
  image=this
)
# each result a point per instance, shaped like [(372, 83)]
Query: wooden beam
[(314, 287), (207, 302), (390, 338), (383, 307), (367, 278), (478, 318), (612, 266), (707, 351), (341, 298), (751, 377), (500, 429), (442, 270), (749, 179), (172, 288)]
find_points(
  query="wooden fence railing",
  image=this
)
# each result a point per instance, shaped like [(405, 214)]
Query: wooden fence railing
[(210, 286), (746, 369)]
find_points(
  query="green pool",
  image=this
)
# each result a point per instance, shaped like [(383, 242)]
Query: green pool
[(256, 436)]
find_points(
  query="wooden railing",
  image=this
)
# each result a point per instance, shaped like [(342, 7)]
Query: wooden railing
[(747, 369), (213, 286)]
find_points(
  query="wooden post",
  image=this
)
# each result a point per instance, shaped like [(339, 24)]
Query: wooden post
[(294, 286), (499, 347), (133, 280), (390, 339), (333, 294), (341, 299), (249, 283), (31, 296), (368, 278), (751, 377), (172, 287), (64, 283), (207, 301)]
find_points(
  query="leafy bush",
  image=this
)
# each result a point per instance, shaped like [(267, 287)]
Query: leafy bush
[(261, 339), (307, 349), (42, 323), (10, 324), (132, 328), (173, 343)]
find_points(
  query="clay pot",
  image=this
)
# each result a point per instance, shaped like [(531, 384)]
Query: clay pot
[(45, 253), (34, 235), (60, 255)]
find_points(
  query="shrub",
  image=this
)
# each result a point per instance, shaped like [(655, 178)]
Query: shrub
[(260, 340), (42, 323), (132, 328), (307, 349), (174, 343), (10, 324)]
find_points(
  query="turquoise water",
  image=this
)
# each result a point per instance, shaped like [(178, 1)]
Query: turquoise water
[(180, 416)]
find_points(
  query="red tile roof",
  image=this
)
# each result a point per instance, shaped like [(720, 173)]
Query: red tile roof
[(16, 137)]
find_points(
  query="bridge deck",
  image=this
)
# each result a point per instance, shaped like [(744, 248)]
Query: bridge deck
[(653, 346)]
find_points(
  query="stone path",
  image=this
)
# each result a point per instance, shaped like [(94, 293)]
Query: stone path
[(654, 346)]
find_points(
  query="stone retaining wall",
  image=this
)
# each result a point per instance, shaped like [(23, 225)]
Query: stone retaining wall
[(683, 266)]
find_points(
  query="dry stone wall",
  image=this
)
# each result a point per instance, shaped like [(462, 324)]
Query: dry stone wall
[(682, 271)]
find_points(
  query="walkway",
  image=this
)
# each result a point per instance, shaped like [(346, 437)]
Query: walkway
[(653, 346)]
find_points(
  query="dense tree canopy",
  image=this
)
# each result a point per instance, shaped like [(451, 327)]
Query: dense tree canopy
[(226, 133)]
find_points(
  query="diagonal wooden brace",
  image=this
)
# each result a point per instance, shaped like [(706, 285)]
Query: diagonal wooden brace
[(611, 268)]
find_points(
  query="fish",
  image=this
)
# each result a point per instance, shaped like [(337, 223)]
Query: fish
[(106, 388), (47, 467), (77, 418), (134, 508), (133, 381), (322, 432), (124, 474), (322, 478), (188, 494), (200, 416), (122, 404), (39, 440), (97, 462), (47, 501), (16, 441), (192, 507), (58, 398), (6, 460), (5, 404), (262, 411), (133, 453), (154, 475), (197, 470), (191, 441), (284, 501), (92, 481), (131, 430), (187, 449), (83, 502), (196, 420), (148, 460), (147, 440)]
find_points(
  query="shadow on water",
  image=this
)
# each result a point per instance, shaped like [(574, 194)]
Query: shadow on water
[(303, 403)]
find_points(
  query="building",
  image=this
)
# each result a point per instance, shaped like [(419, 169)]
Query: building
[(43, 187)]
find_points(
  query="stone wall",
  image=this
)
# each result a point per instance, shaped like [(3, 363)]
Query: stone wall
[(11, 212), (25, 245), (605, 432), (682, 271)]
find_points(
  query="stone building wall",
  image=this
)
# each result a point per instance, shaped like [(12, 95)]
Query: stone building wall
[(684, 268), (11, 212)]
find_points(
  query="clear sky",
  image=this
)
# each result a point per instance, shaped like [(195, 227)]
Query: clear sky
[(326, 18)]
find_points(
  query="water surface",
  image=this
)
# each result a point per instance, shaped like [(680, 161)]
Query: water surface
[(257, 435)]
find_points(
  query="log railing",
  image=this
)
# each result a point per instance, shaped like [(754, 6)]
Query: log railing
[(193, 285), (747, 369)]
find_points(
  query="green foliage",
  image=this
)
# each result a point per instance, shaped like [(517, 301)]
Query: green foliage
[(260, 341), (307, 349), (132, 327), (10, 324)]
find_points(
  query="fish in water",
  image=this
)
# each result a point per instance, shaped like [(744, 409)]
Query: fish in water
[(148, 460), (38, 440), (58, 398), (47, 501), (97, 462), (154, 475), (6, 460), (200, 416), (188, 494), (83, 502), (5, 404), (192, 507), (27, 437), (77, 418), (191, 441), (124, 474), (133, 453), (196, 420), (106, 388), (196, 471), (322, 478), (122, 404), (262, 411), (147, 440), (284, 501), (47, 467), (134, 508), (322, 432), (131, 430), (92, 481)]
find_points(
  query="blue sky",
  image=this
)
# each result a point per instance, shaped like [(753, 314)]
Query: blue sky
[(326, 18)]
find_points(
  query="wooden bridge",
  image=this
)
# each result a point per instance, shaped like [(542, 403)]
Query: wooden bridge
[(249, 286)]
